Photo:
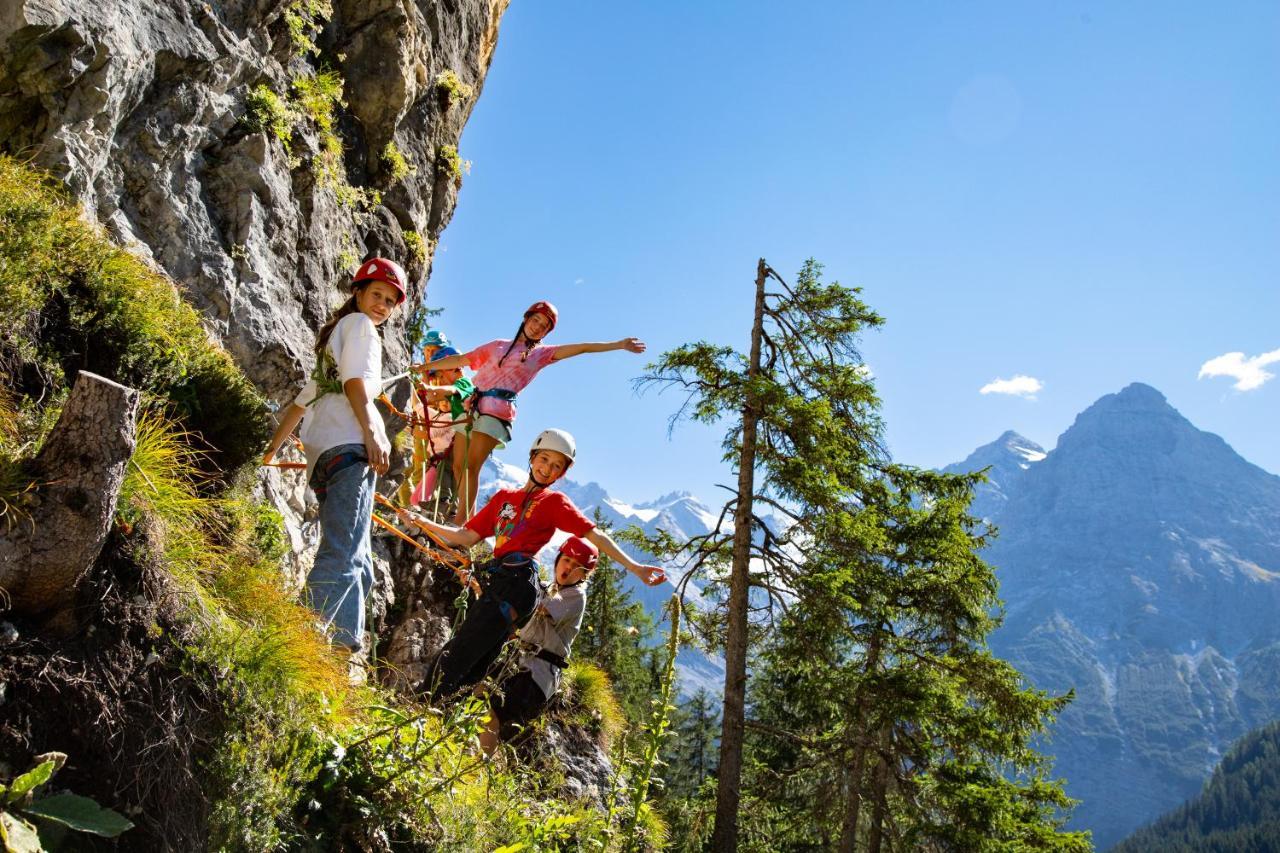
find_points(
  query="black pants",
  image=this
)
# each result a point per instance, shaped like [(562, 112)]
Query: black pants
[(511, 589)]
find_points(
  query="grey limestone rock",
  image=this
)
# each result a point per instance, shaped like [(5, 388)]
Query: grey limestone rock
[(142, 109)]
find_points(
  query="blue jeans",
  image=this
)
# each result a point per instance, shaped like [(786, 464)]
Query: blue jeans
[(342, 575)]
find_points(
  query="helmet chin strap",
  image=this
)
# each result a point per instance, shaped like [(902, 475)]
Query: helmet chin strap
[(533, 478)]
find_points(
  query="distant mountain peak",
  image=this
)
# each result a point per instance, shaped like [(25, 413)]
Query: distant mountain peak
[(666, 500), (1136, 419), (1136, 395)]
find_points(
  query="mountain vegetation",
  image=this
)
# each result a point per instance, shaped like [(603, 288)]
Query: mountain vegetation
[(879, 719), (1237, 812)]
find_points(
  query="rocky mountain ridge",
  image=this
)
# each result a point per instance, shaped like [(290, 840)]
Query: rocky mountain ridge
[(1139, 563)]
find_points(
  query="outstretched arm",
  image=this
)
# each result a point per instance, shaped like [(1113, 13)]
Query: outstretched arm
[(570, 350), (449, 362), (650, 575), (463, 537), (288, 422)]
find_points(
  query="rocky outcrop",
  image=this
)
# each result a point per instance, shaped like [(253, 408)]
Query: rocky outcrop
[(256, 151), (143, 109)]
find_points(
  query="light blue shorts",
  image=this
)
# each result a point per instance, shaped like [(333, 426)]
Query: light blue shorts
[(490, 426)]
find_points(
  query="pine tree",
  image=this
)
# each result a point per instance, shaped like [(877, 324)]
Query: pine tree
[(882, 720), (691, 753), (802, 432), (619, 636)]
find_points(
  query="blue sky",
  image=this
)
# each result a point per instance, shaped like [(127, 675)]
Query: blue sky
[(1087, 194)]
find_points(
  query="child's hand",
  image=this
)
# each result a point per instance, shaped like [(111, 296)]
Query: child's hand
[(652, 575), (633, 345), (378, 450), (434, 393)]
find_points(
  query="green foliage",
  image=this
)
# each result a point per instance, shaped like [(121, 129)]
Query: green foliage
[(397, 165), (452, 88), (1238, 810), (617, 636), (419, 325), (19, 806), (74, 301), (655, 734), (270, 113), (588, 692), (878, 712), (692, 753), (317, 97), (448, 159), (417, 246), (305, 19)]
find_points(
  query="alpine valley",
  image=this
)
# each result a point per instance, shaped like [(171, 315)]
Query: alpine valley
[(1139, 563)]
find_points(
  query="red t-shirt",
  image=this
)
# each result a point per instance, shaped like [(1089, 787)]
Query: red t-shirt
[(523, 522)]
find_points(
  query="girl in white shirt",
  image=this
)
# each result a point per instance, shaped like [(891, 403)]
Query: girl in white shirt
[(346, 445)]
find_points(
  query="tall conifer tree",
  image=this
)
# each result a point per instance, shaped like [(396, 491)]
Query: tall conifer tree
[(803, 433), (882, 719)]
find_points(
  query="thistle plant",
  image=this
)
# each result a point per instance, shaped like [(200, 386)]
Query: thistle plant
[(655, 732)]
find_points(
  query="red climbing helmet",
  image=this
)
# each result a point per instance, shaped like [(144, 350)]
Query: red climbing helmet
[(581, 550), (384, 270), (546, 309)]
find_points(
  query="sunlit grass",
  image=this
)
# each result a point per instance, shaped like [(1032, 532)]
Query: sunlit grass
[(588, 693), (73, 300), (249, 622)]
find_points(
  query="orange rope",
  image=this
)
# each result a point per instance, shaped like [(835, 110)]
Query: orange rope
[(295, 465), (448, 549), (461, 573)]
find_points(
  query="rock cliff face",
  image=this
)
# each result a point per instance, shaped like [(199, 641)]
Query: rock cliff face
[(1140, 566), (256, 151), (143, 108)]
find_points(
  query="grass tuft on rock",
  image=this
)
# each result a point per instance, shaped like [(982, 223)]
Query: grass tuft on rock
[(71, 300), (591, 703)]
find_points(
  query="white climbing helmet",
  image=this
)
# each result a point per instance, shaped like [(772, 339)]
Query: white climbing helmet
[(557, 440)]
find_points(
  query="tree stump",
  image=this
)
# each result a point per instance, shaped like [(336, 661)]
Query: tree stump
[(78, 475)]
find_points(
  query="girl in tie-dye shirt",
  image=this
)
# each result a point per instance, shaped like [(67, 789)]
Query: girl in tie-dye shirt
[(503, 368)]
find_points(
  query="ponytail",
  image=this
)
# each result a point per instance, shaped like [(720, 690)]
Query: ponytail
[(515, 340), (348, 308)]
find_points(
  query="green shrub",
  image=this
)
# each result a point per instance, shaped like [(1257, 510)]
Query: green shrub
[(269, 113), (452, 88), (305, 19), (75, 301), (454, 166), (588, 694), (417, 246), (317, 97), (398, 166)]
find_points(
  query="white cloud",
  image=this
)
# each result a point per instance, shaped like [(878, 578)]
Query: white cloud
[(1247, 372), (1018, 386), (579, 280)]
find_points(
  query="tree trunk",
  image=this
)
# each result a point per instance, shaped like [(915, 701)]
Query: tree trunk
[(729, 791), (78, 476), (876, 833), (849, 832)]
